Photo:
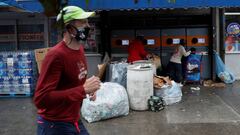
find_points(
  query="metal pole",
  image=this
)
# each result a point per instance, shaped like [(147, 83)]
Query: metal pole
[(222, 22), (212, 44)]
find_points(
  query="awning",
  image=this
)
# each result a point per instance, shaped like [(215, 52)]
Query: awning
[(32, 5), (10, 8), (9, 5), (35, 6), (151, 4)]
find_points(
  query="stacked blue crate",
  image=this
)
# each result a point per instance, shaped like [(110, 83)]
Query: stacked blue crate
[(18, 73)]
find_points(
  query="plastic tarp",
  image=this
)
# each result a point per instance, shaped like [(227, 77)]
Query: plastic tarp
[(222, 71), (112, 101)]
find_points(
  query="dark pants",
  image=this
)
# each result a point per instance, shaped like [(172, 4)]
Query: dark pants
[(46, 127), (175, 71)]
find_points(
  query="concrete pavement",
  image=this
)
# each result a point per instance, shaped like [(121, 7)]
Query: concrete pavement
[(210, 111)]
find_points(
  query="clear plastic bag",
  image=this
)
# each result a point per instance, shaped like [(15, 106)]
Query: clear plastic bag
[(119, 73), (112, 101), (170, 93), (222, 71)]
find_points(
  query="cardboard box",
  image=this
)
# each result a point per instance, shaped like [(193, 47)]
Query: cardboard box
[(39, 56), (40, 53), (101, 70), (39, 64)]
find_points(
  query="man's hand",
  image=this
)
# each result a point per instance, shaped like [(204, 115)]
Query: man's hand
[(91, 85)]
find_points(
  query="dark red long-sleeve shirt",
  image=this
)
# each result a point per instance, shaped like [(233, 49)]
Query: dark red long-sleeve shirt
[(136, 51), (59, 92)]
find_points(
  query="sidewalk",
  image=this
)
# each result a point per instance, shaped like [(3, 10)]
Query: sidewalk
[(206, 112)]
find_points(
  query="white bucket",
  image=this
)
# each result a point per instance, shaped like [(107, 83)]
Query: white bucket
[(146, 62), (139, 86)]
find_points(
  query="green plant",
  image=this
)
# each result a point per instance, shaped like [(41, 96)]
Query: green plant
[(87, 2), (52, 7)]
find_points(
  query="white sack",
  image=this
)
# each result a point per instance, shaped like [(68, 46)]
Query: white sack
[(111, 101), (170, 93)]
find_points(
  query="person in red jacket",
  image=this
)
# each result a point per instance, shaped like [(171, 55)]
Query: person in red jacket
[(136, 50), (62, 83)]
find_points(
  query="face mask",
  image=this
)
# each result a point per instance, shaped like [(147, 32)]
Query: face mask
[(82, 34)]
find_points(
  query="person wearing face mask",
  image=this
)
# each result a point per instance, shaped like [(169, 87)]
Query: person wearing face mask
[(62, 83)]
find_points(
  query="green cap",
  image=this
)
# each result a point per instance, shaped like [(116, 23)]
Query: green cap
[(73, 13)]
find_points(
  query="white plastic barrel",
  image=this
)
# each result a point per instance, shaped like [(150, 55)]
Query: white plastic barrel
[(146, 62), (139, 86)]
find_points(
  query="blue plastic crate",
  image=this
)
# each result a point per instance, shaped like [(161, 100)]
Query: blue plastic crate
[(25, 56), (3, 64), (15, 95), (3, 72), (23, 72), (23, 64)]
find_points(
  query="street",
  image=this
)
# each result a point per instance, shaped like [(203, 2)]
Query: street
[(210, 111)]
